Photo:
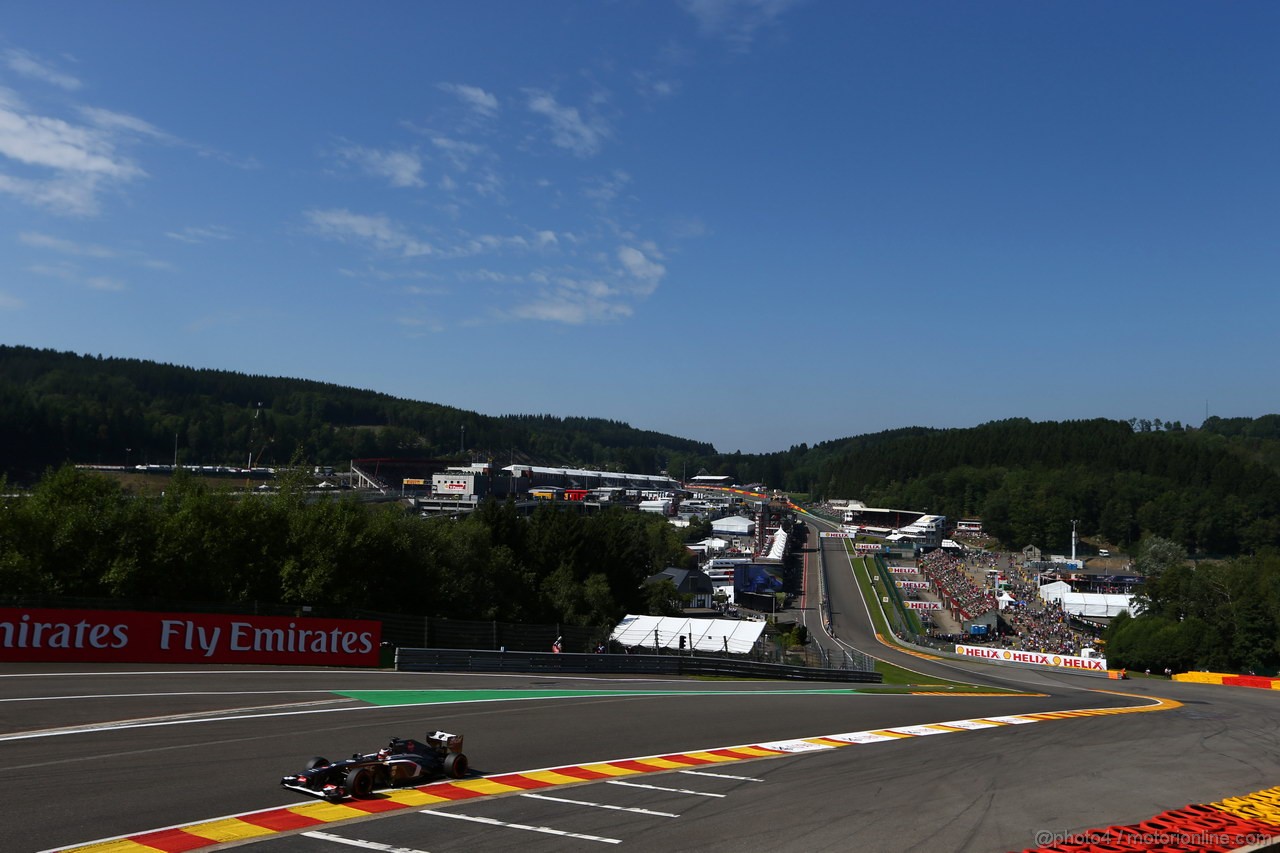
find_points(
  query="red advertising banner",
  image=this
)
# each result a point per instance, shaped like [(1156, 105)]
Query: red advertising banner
[(124, 636)]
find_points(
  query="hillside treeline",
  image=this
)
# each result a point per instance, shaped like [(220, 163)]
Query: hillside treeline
[(79, 534), (1214, 490), (60, 407), (1209, 490), (1223, 616)]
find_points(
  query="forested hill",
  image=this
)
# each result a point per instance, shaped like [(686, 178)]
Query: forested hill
[(1214, 489), (1211, 489), (58, 407)]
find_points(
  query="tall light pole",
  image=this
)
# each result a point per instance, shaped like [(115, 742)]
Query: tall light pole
[(1074, 522)]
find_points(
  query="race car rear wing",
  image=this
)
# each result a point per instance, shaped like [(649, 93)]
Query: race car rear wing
[(445, 740)]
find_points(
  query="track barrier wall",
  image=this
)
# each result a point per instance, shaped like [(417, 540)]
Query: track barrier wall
[(481, 660), (1260, 681)]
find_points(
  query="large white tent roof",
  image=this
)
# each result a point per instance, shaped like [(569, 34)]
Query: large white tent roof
[(1054, 591), (1086, 603), (709, 635), (1097, 604), (734, 524)]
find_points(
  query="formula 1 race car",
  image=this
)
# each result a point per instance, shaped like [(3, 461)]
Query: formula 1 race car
[(401, 763)]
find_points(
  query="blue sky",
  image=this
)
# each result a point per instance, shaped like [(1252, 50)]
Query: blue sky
[(750, 222)]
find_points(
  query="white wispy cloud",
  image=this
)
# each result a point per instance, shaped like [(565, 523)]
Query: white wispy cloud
[(75, 195), (70, 164), (737, 21), (24, 63), (474, 97), (99, 282), (686, 227), (572, 303), (123, 125), (55, 144), (419, 290), (484, 244), (10, 303), (111, 120), (200, 234), (457, 153), (72, 274), (604, 189), (646, 272), (378, 231), (569, 129), (651, 85), (401, 168), (130, 257), (66, 247), (489, 276), (388, 275), (487, 183), (578, 298), (65, 271)]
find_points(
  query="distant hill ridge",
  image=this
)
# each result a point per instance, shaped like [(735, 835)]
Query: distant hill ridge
[(1213, 489), (60, 406)]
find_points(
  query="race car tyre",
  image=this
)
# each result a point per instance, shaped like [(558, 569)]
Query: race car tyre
[(455, 765), (317, 761), (359, 783)]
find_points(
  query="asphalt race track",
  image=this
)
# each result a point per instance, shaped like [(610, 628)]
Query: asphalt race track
[(95, 753), (209, 744)]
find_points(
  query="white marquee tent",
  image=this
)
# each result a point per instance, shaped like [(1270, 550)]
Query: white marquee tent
[(708, 635), (1054, 591), (1095, 604), (779, 547), (734, 525)]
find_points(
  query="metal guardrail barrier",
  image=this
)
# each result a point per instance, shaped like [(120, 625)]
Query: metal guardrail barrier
[(482, 660)]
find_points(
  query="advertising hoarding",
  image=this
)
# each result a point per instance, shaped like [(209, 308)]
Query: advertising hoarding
[(124, 636)]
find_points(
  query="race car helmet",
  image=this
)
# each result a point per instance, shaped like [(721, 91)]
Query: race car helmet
[(385, 752)]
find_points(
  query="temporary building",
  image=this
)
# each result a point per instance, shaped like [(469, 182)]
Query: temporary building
[(1097, 604), (1093, 604), (704, 635), (1054, 591), (707, 545), (778, 549), (734, 525)]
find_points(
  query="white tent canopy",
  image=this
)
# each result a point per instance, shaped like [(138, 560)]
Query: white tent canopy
[(708, 635), (734, 525), (1054, 591), (712, 544), (1094, 604), (779, 547)]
